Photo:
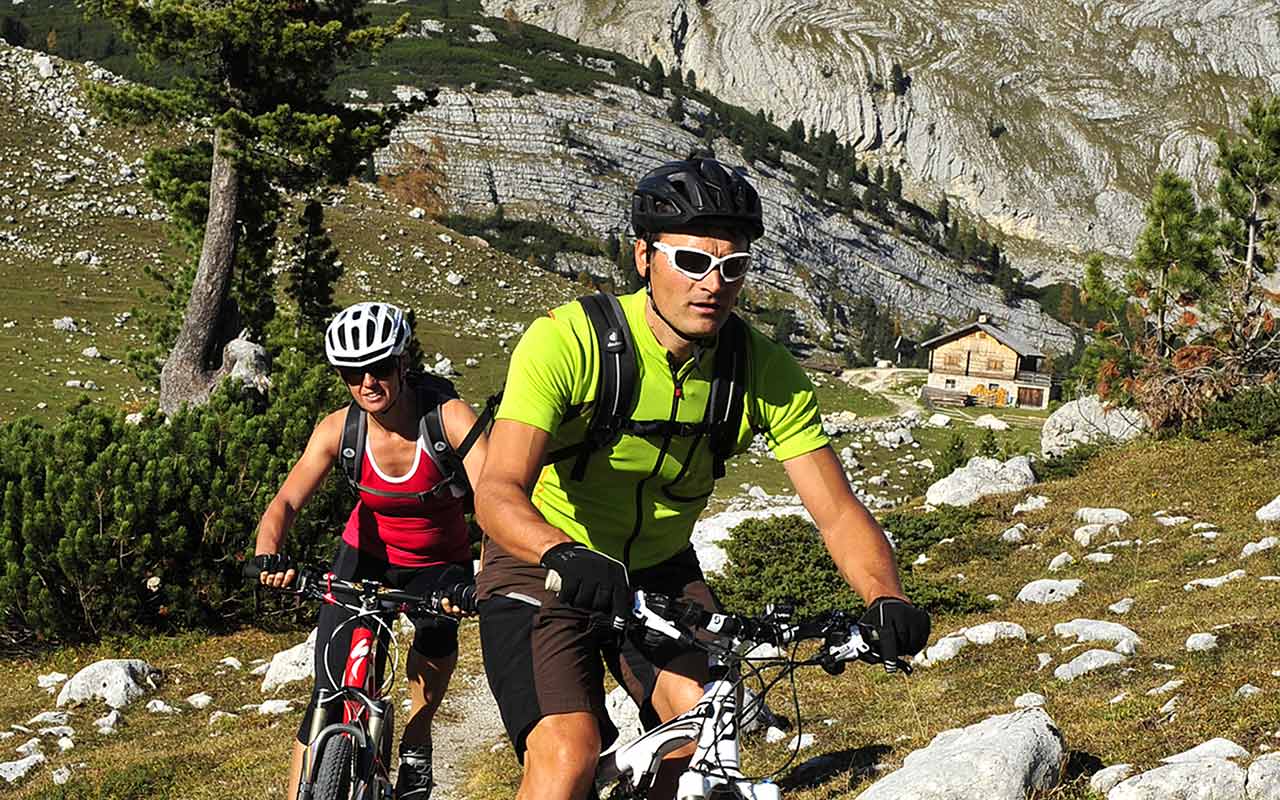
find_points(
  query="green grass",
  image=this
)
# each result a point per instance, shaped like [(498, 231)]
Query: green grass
[(1222, 481)]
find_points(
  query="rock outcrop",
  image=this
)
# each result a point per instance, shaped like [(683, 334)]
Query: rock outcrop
[(571, 161), (1046, 119), (1088, 421)]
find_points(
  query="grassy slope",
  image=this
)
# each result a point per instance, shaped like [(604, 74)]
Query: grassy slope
[(880, 719)]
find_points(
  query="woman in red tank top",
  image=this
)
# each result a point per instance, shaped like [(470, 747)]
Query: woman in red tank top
[(400, 532)]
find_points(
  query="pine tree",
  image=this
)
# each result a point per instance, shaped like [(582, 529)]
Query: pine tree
[(893, 184), (1249, 195), (691, 80), (313, 271), (255, 75), (944, 211), (657, 76), (675, 111), (796, 133), (1173, 259)]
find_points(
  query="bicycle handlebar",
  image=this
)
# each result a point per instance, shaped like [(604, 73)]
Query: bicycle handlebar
[(844, 638), (322, 586)]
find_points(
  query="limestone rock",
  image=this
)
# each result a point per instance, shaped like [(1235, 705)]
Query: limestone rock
[(295, 664), (1047, 590), (991, 422), (979, 478), (1263, 781), (115, 681), (248, 364), (1103, 780), (1094, 630), (1005, 757), (1270, 512), (1086, 662), (1088, 421), (1103, 516), (1211, 779)]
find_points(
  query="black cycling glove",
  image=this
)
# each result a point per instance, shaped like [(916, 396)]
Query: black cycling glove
[(900, 630), (589, 580), (271, 563)]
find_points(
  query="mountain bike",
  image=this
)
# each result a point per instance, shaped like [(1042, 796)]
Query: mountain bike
[(715, 720), (350, 760)]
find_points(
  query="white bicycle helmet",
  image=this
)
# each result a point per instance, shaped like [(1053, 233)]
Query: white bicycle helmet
[(364, 333)]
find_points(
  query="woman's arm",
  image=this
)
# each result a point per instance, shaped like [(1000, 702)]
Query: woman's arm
[(305, 476), (458, 419)]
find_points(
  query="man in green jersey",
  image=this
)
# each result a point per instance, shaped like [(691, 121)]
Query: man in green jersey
[(625, 521)]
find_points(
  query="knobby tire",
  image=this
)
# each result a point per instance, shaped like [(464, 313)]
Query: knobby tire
[(333, 771)]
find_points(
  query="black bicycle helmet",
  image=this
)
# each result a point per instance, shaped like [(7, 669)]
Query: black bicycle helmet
[(697, 193)]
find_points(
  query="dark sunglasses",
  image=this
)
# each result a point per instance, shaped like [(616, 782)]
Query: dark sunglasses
[(696, 264), (380, 370)]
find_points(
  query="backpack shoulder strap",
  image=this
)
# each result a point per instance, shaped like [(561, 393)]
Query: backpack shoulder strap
[(728, 389), (351, 445), (615, 389)]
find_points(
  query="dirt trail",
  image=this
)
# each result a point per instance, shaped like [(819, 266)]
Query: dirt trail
[(469, 722), (887, 383)]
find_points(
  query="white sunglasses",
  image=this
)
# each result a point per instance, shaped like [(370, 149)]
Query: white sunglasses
[(697, 264)]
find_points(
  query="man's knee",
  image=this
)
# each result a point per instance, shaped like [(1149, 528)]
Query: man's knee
[(564, 744)]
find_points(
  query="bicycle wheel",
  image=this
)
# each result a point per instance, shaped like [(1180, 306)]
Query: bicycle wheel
[(333, 770)]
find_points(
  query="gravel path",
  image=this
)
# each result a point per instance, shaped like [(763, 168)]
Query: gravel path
[(472, 723)]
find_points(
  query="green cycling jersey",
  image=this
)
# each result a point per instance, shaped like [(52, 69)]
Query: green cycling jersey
[(639, 500)]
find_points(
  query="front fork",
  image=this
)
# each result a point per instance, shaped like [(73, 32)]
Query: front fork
[(715, 762)]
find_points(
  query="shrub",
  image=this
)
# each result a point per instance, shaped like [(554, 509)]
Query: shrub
[(783, 559), (1067, 465), (94, 508), (1253, 414), (913, 532)]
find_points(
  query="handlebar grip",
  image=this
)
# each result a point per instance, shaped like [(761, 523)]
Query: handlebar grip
[(553, 582), (250, 569)]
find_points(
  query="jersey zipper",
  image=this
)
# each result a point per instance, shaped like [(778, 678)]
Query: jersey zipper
[(677, 395)]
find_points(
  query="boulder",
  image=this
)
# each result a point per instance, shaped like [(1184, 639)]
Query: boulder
[(1122, 606), (248, 364), (1104, 780), (1095, 630), (1029, 700), (839, 423), (1088, 421), (938, 421), (295, 664), (1253, 548), (1047, 590), (1264, 777), (1211, 779), (1103, 516), (1270, 512), (1214, 748), (1061, 561), (991, 422), (1033, 502), (1086, 662), (14, 771), (115, 681), (1006, 757), (1214, 583), (979, 478), (950, 645), (1201, 642)]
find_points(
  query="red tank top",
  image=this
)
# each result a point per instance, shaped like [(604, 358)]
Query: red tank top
[(406, 531)]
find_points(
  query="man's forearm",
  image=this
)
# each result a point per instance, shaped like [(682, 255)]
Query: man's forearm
[(862, 554), (510, 519)]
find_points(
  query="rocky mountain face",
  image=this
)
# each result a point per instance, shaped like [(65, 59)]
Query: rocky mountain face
[(571, 161), (1094, 96)]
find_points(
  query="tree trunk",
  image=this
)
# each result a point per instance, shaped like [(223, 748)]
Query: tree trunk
[(195, 364)]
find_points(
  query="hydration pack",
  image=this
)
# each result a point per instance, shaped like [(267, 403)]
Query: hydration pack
[(615, 393), (432, 392)]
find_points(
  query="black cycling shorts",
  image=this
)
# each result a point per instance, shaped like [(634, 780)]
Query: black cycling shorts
[(432, 637)]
